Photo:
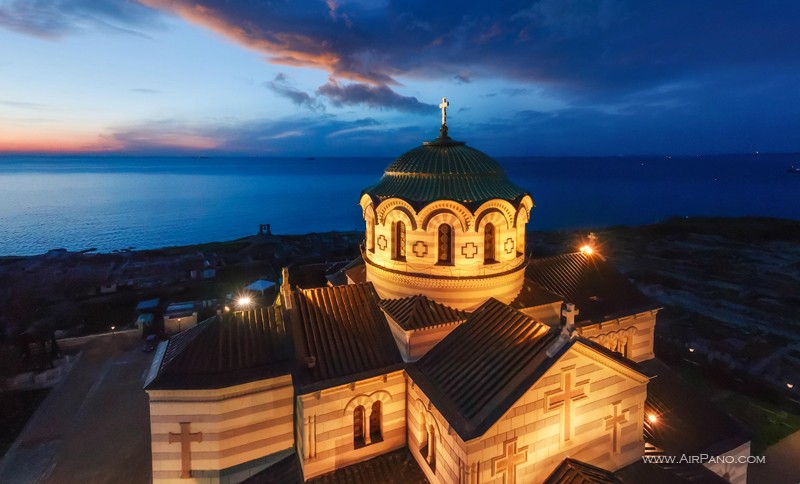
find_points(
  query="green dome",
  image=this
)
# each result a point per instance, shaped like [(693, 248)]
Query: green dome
[(445, 169)]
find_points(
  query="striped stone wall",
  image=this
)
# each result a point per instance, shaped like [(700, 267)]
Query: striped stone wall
[(458, 292), (238, 424), (535, 436), (450, 451), (324, 422), (414, 344), (637, 331), (728, 466)]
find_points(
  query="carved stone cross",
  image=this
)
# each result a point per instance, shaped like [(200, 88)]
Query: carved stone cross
[(186, 438), (567, 395), (507, 463), (420, 248), (469, 250), (509, 245), (614, 423), (443, 106)]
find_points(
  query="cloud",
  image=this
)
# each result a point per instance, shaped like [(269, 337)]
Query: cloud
[(381, 97), (52, 19), (577, 46), (281, 86), (288, 136), (22, 105)]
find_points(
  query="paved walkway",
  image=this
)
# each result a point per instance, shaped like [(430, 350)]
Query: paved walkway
[(782, 463), (94, 426)]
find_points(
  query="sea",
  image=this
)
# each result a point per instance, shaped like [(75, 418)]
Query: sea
[(116, 203)]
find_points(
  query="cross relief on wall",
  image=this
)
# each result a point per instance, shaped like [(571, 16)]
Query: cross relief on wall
[(382, 242), (507, 463), (469, 250), (420, 248), (185, 438), (509, 245), (614, 423), (564, 400)]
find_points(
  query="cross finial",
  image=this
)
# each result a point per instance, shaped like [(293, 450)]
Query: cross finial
[(443, 106)]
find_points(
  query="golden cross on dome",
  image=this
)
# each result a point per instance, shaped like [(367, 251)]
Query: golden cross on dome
[(443, 106)]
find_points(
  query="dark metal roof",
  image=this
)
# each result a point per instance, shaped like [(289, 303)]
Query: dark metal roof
[(284, 471), (445, 170), (225, 351), (396, 467), (687, 422), (572, 471), (420, 312), (341, 335), (485, 365), (681, 473), (598, 290), (532, 295), (339, 277)]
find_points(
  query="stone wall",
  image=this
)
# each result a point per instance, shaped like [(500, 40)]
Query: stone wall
[(537, 435), (635, 333), (237, 424), (325, 423)]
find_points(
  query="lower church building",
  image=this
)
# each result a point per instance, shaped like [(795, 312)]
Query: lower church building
[(446, 355)]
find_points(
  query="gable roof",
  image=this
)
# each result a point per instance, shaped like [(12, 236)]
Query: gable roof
[(341, 335), (226, 350), (687, 422), (339, 277), (572, 471), (395, 467), (680, 473), (598, 290), (485, 365), (420, 312)]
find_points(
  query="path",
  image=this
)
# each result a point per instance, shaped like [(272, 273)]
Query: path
[(94, 426)]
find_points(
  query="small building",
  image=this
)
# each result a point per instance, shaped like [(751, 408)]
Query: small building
[(180, 317)]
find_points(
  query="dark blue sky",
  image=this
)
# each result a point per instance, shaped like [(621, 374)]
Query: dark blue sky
[(552, 77)]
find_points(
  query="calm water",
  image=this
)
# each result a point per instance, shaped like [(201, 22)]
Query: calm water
[(114, 203)]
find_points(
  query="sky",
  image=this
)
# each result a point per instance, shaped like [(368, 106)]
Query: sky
[(365, 77)]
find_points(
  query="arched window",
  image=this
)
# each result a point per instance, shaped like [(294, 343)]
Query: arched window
[(445, 244), (370, 234), (489, 245), (427, 445), (358, 427), (431, 457), (375, 421), (521, 216), (399, 241)]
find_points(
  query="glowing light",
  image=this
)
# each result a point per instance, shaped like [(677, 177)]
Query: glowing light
[(691, 350), (243, 302), (587, 249), (113, 328), (227, 309), (789, 386), (652, 418)]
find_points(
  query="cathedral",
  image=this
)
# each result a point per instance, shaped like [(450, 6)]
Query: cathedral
[(444, 354)]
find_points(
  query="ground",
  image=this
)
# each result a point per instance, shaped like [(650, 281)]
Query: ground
[(730, 289), (94, 425)]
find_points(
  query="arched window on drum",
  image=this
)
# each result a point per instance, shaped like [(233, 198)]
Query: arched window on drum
[(444, 244), (489, 244), (399, 241)]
